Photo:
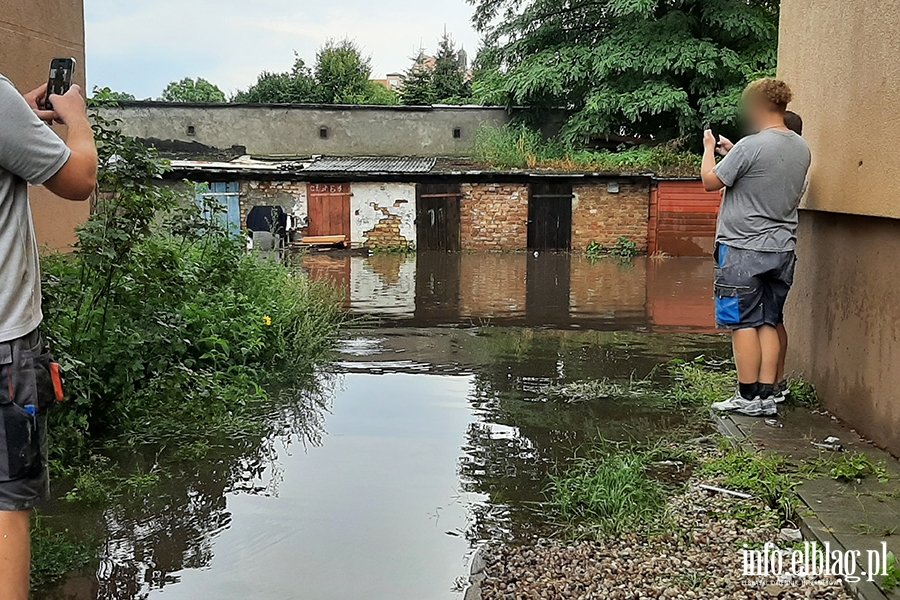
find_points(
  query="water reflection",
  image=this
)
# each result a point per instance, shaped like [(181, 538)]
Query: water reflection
[(420, 440), (551, 289)]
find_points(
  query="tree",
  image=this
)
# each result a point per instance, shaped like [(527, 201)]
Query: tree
[(449, 75), (107, 95), (653, 68), (378, 94), (296, 86), (342, 73), (418, 85), (190, 90)]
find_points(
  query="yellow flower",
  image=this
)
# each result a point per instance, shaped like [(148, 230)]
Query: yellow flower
[(267, 320)]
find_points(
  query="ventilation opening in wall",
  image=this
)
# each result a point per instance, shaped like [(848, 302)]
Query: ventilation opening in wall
[(323, 133), (191, 130), (457, 133)]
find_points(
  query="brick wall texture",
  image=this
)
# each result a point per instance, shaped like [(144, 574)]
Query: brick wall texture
[(285, 194), (602, 217), (493, 216)]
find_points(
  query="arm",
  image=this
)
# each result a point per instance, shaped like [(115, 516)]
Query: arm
[(77, 178), (711, 181)]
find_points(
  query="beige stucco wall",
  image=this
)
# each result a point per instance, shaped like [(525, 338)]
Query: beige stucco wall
[(32, 32), (843, 315), (843, 60)]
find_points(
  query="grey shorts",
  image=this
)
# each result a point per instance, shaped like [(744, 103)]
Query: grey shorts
[(751, 287), (29, 386)]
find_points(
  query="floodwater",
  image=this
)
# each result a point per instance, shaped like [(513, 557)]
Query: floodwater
[(430, 432)]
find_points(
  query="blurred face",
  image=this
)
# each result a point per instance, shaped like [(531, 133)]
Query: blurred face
[(755, 113)]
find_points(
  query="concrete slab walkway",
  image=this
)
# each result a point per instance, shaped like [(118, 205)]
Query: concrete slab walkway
[(856, 515)]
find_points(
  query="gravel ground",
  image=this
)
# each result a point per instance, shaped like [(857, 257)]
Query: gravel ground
[(703, 561)]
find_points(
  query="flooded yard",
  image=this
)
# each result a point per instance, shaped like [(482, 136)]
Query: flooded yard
[(431, 431)]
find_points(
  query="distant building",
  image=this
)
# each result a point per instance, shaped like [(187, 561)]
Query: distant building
[(392, 81)]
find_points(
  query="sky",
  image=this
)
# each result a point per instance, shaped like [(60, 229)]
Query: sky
[(140, 46)]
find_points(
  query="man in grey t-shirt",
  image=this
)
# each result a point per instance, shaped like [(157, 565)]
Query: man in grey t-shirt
[(30, 152), (764, 176)]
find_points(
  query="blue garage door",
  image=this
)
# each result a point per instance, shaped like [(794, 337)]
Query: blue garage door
[(221, 200)]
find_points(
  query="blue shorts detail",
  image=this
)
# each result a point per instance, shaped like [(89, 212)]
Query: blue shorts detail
[(751, 287)]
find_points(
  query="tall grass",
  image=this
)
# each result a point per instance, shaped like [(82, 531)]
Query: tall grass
[(520, 147)]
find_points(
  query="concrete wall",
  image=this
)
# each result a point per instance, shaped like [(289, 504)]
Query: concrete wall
[(383, 215), (31, 34), (293, 130), (843, 61), (289, 195)]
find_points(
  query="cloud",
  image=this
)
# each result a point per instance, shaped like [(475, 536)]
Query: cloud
[(140, 47)]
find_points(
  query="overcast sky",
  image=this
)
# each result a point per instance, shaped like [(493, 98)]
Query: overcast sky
[(138, 47)]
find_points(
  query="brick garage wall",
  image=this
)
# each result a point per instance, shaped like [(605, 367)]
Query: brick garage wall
[(493, 216), (602, 217), (289, 195)]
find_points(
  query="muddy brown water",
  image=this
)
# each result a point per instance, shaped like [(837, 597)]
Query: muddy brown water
[(430, 432)]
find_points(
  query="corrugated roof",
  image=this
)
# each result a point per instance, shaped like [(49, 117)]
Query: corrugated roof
[(371, 164)]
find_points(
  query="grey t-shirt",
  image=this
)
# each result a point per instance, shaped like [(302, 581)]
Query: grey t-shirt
[(30, 152), (764, 175)]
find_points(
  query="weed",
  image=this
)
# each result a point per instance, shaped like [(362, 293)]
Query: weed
[(892, 576), (608, 493), (518, 147), (700, 382), (802, 393), (55, 553), (625, 248), (851, 467), (766, 476)]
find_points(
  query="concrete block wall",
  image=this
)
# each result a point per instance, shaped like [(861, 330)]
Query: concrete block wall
[(603, 217), (494, 216)]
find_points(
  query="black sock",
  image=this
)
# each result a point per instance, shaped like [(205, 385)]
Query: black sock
[(749, 391), (766, 390)]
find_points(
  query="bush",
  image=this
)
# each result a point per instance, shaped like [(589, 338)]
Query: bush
[(164, 327)]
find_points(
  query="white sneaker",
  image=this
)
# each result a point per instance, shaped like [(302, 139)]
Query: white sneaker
[(751, 408), (782, 392)]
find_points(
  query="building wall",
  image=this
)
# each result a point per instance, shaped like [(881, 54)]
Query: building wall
[(383, 215), (31, 34), (494, 216), (289, 195), (602, 217), (293, 130), (843, 61)]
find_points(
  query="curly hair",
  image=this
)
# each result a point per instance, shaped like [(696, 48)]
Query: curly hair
[(774, 91)]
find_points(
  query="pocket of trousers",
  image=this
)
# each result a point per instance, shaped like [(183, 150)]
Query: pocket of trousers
[(20, 446)]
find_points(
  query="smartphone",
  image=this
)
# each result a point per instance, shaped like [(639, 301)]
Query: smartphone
[(62, 73), (715, 133)]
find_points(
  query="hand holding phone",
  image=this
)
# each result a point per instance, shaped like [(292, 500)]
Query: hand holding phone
[(62, 73)]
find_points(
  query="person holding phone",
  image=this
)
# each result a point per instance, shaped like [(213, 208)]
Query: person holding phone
[(764, 176), (30, 153)]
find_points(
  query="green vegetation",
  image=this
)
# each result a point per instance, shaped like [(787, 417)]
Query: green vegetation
[(625, 249), (54, 553), (341, 75), (700, 382), (608, 493), (892, 578), (853, 466), (769, 477), (519, 147), (193, 90), (644, 68), (163, 325), (444, 82)]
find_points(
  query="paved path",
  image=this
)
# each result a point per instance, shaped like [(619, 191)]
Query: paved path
[(859, 515)]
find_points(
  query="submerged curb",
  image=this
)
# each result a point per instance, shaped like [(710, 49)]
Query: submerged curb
[(476, 575), (813, 529)]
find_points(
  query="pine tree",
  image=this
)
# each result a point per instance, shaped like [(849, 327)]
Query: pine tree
[(449, 76), (418, 85)]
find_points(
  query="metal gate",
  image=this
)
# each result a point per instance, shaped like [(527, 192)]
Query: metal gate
[(329, 209), (550, 216), (437, 216), (221, 200)]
